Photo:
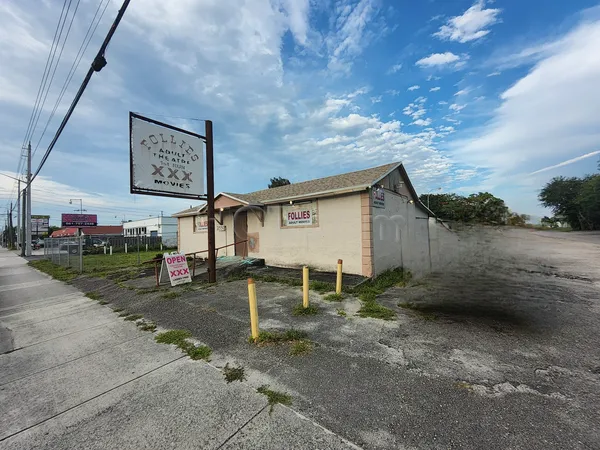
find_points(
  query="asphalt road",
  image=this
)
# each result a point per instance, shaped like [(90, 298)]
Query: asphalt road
[(75, 375), (498, 351)]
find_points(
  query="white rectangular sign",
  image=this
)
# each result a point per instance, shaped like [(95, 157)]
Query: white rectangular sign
[(378, 198), (179, 272), (302, 215), (165, 160)]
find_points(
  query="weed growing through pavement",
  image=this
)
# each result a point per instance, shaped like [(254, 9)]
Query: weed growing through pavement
[(103, 302), (300, 310), (147, 326), (233, 373), (341, 312), (117, 310), (301, 348), (334, 297), (133, 317), (171, 295), (93, 295), (144, 291), (178, 337), (376, 311), (278, 337), (275, 397), (321, 286)]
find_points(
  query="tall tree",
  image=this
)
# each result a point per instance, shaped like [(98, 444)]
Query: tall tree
[(278, 181), (560, 195)]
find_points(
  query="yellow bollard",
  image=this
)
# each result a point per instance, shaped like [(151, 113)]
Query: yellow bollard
[(338, 281), (305, 287), (253, 308)]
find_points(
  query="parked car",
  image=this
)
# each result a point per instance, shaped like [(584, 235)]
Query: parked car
[(71, 246), (98, 242)]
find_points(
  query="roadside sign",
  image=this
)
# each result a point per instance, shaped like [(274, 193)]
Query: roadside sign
[(79, 220), (177, 268)]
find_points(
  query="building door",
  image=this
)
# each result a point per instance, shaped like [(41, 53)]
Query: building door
[(240, 233)]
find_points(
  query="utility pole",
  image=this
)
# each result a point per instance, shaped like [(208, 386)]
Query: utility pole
[(24, 227), (19, 215), (10, 227), (28, 219), (210, 203)]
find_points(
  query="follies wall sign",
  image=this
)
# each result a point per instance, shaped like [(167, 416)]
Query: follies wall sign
[(165, 160), (300, 215)]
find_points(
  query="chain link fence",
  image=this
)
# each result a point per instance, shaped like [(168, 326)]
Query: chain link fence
[(66, 252)]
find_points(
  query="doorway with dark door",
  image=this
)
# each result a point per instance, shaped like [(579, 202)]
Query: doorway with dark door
[(240, 233)]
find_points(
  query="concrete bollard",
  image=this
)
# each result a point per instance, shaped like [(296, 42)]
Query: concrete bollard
[(146, 247), (125, 248), (338, 281), (305, 286), (253, 309), (105, 249), (111, 250)]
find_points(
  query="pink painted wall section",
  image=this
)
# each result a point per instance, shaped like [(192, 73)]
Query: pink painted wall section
[(225, 202), (366, 221)]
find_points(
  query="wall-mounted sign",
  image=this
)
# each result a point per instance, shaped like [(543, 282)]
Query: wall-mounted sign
[(176, 265), (378, 198), (299, 215), (165, 160), (79, 220), (39, 224), (200, 223)]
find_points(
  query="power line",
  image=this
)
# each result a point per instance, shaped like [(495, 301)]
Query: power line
[(41, 108), (96, 66), (82, 49)]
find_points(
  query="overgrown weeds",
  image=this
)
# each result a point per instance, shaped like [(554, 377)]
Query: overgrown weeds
[(179, 338), (301, 347), (144, 291), (93, 295), (341, 312), (233, 373), (133, 317), (334, 297), (321, 286), (55, 271), (147, 326), (278, 337), (300, 310), (171, 295), (275, 397), (376, 311)]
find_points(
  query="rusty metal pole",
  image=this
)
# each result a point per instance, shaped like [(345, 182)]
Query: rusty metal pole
[(210, 194)]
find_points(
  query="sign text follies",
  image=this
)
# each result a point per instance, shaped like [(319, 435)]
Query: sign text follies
[(165, 160), (301, 215)]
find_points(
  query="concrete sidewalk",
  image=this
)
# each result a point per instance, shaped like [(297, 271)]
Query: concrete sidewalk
[(75, 375)]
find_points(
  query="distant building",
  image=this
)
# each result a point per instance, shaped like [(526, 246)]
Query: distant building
[(100, 230), (163, 227), (371, 219)]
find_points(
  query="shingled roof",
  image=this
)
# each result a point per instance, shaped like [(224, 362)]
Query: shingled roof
[(346, 182)]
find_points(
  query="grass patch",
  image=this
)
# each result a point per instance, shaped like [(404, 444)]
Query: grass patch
[(117, 310), (376, 311), (93, 295), (300, 348), (171, 295), (321, 286), (463, 385), (334, 297), (196, 353), (300, 310), (277, 337), (55, 271), (275, 397), (103, 302), (133, 317), (268, 278), (233, 373), (173, 337), (103, 265), (144, 291), (147, 326), (123, 314), (341, 312)]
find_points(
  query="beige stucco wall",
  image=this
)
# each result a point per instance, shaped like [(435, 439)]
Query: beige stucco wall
[(338, 236), (190, 241)]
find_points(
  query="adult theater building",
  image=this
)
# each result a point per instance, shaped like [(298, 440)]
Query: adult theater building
[(372, 219)]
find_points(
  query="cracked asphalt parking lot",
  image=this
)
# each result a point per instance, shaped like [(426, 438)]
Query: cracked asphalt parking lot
[(499, 351)]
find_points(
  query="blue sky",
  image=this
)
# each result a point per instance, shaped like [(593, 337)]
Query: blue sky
[(471, 96)]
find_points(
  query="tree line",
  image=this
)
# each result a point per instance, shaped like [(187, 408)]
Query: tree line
[(483, 208), (573, 200)]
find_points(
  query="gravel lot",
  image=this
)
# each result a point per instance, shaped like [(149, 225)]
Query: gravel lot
[(499, 351)]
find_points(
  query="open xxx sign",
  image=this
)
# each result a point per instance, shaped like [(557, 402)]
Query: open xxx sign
[(177, 267)]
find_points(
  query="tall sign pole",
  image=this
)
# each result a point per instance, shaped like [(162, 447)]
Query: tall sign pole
[(28, 222), (24, 227), (19, 242), (210, 200)]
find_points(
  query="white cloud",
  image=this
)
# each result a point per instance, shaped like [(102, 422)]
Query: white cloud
[(421, 99), (433, 78), (443, 102), (393, 92), (494, 74), (462, 92), (434, 89), (438, 59), (422, 122), (471, 25), (456, 107), (550, 114), (376, 99), (414, 88), (395, 68)]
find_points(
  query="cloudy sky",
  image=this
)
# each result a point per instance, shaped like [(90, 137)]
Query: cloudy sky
[(498, 96)]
